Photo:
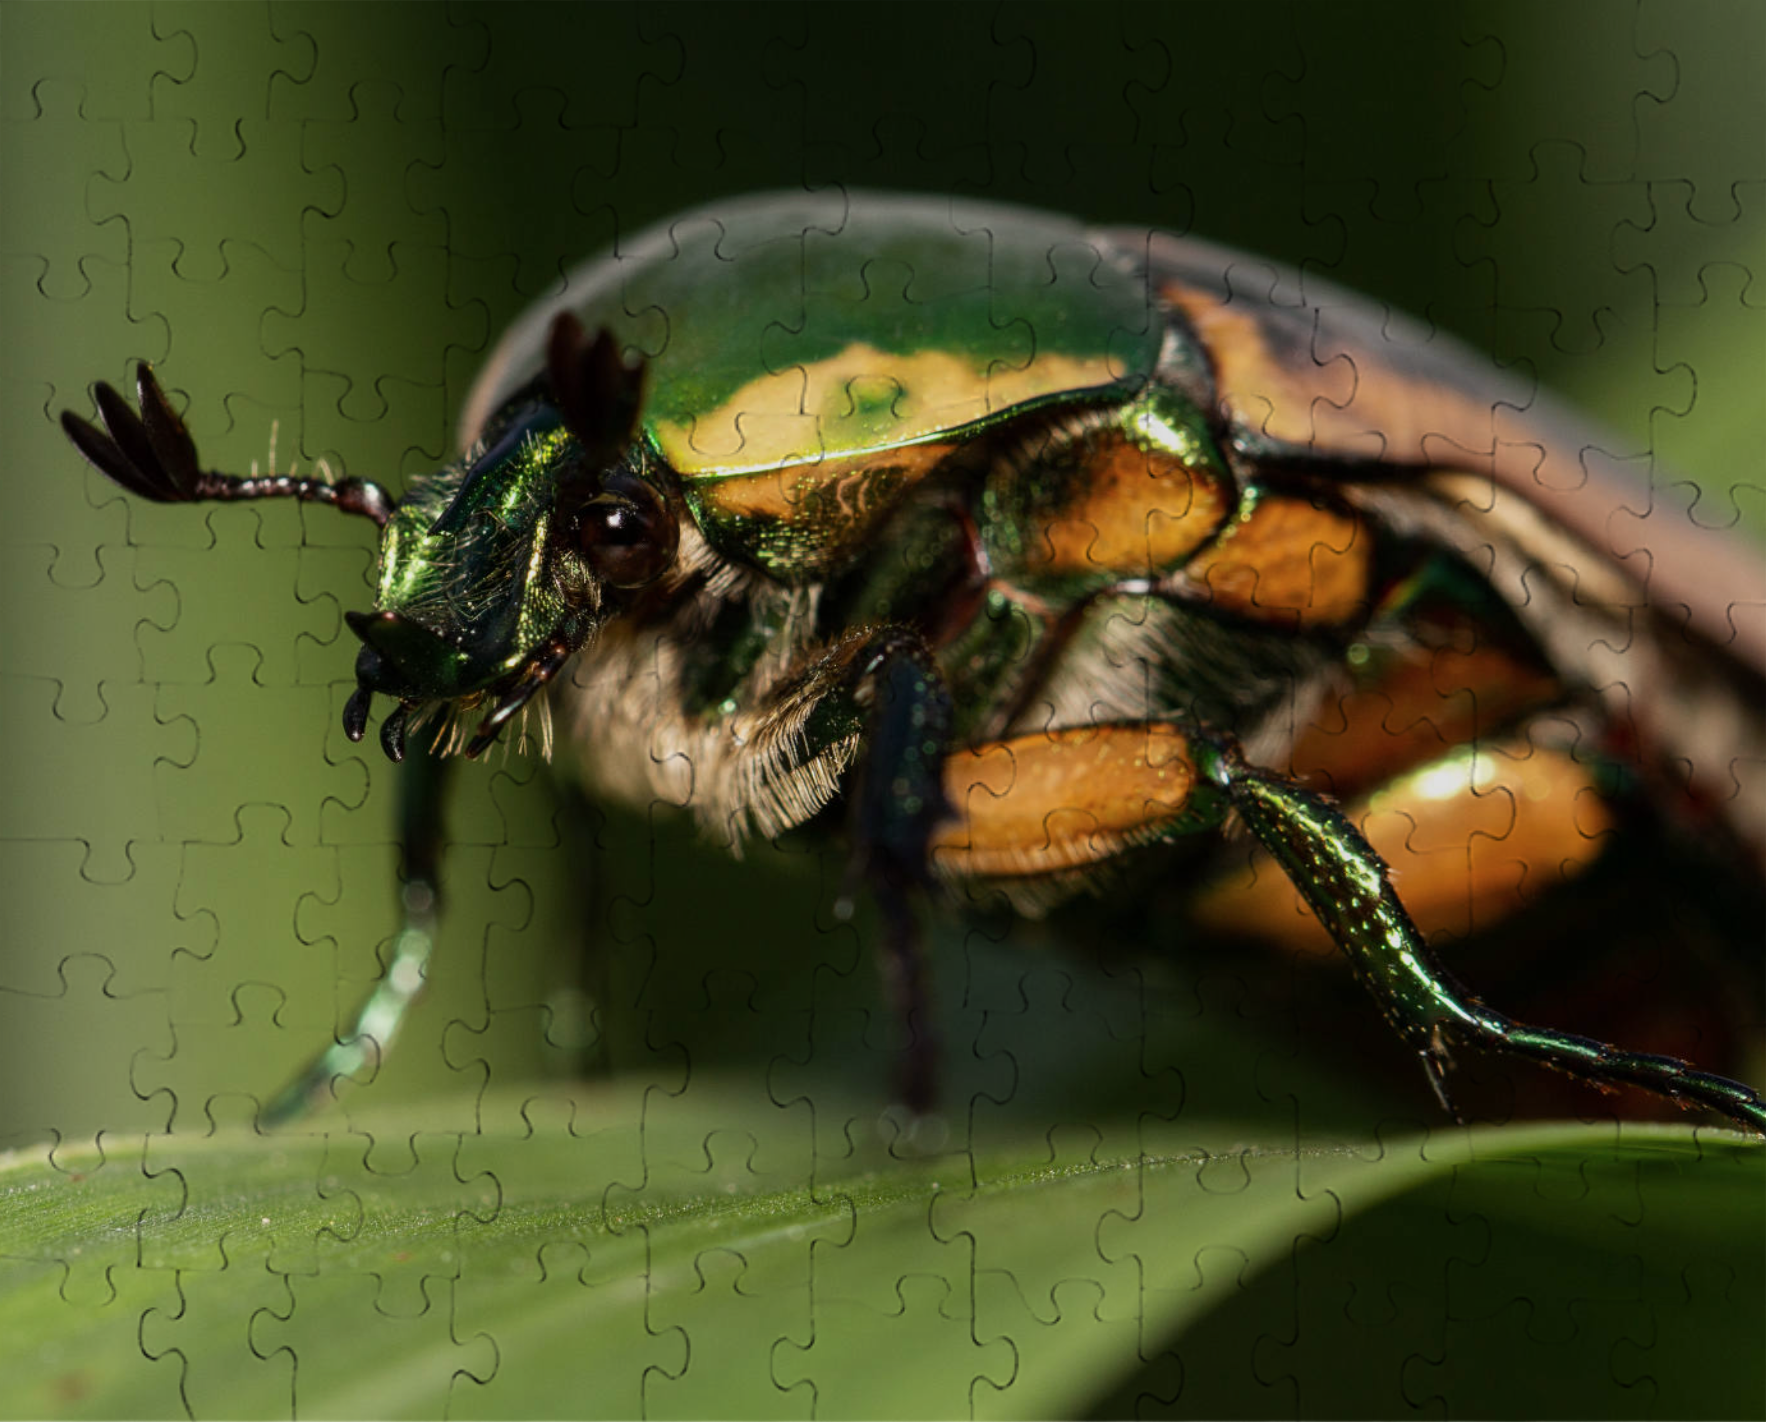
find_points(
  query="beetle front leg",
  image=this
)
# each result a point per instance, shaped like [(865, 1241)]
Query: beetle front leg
[(422, 783), (1346, 885)]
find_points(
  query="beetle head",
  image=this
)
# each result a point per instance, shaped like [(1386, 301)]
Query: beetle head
[(494, 570)]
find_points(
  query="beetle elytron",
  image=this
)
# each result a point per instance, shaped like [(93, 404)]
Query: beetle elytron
[(1040, 547)]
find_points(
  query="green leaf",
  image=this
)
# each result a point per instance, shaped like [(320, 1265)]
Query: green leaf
[(626, 1252)]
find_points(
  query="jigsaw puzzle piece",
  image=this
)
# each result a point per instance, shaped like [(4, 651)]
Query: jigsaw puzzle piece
[(216, 313), (731, 1314), (1363, 227), (370, 157), (249, 887), (487, 232), (1058, 1299), (1378, 196), (928, 1317), (1674, 139), (1051, 148), (453, 1034), (1336, 72), (1674, 1322), (81, 634), (402, 328), (62, 148), (589, 1267), (83, 1309), (1214, 149), (85, 1090), (334, 579), (948, 145), (251, 57), (517, 1023), (385, 1175), (325, 1339), (737, 146), (182, 653), (1585, 1331), (103, 62), (252, 733), (380, 1264), (229, 174), (1189, 1231), (594, 1296), (1723, 342), (56, 910), (370, 48), (92, 780), (201, 1338), (1675, 247), (1576, 307), (104, 1270), (1592, 92), (1100, 1019)]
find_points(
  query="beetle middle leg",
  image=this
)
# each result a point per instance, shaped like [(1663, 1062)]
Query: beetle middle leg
[(1054, 804)]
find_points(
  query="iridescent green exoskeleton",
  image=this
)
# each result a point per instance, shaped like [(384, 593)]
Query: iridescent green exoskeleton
[(1040, 549)]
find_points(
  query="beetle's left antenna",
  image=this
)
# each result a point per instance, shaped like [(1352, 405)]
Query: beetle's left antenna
[(152, 455)]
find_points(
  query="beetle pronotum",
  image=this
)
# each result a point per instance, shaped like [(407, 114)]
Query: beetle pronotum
[(839, 534)]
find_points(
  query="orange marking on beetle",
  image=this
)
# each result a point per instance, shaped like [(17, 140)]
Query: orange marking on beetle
[(1287, 560), (1423, 702), (1135, 511), (1469, 840), (1045, 803), (1355, 402), (1258, 389), (858, 487)]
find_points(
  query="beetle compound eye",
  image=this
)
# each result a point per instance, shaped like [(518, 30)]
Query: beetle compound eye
[(628, 537)]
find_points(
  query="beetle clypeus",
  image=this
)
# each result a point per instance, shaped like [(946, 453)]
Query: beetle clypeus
[(1038, 546)]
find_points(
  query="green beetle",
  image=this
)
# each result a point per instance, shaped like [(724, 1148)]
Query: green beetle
[(1035, 550)]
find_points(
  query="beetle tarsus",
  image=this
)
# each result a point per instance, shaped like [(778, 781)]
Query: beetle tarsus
[(1609, 1066), (1435, 1067)]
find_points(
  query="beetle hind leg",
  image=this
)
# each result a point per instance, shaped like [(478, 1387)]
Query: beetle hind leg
[(1346, 885), (1050, 805)]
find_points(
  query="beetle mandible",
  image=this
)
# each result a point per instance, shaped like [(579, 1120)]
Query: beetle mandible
[(867, 499)]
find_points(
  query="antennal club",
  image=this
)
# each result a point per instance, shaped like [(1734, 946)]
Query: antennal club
[(152, 455)]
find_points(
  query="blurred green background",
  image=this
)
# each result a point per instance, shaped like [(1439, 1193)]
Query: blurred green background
[(314, 219)]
